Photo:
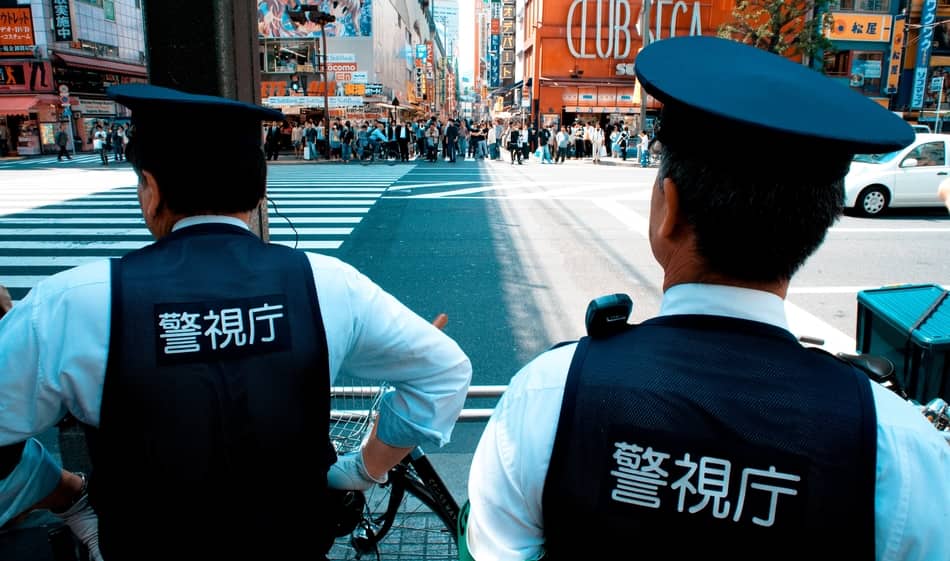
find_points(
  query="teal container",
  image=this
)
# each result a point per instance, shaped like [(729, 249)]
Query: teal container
[(910, 325)]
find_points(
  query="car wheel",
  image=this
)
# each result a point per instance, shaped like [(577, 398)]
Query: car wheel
[(872, 201)]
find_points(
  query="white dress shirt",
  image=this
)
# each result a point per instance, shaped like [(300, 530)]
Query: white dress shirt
[(55, 342), (506, 482)]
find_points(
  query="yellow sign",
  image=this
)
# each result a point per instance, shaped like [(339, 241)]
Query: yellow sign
[(892, 80), (860, 27), (354, 89)]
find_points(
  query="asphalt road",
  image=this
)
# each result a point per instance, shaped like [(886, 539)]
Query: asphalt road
[(513, 254)]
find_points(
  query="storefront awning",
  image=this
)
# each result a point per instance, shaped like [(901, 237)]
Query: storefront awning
[(103, 65), (21, 104)]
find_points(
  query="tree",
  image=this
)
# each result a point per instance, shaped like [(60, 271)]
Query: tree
[(790, 28)]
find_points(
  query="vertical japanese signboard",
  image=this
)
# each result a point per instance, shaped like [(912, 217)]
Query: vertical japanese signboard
[(892, 80), (507, 42), (420, 60), (494, 50), (62, 21), (16, 31), (928, 17)]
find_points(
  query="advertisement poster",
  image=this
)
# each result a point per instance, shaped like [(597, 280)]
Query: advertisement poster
[(354, 18), (16, 31)]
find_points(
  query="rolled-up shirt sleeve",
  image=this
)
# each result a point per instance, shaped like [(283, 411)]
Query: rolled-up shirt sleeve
[(373, 336), (31, 480)]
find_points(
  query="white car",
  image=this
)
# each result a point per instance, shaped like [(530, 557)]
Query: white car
[(908, 177)]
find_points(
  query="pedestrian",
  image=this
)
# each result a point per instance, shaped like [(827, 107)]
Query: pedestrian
[(62, 142), (597, 142), (99, 144), (711, 422), (203, 362), (644, 149)]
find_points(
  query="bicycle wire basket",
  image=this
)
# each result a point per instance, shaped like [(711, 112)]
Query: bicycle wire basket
[(354, 404)]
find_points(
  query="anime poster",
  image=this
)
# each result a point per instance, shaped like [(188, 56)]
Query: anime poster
[(354, 18)]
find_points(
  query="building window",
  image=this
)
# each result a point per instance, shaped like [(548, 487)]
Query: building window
[(861, 6), (108, 8), (97, 3), (290, 56)]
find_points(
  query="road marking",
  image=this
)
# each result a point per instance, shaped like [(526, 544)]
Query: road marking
[(800, 322), (39, 222), (428, 185), (845, 289), (290, 210), (131, 245), (890, 230), (49, 261), (106, 231)]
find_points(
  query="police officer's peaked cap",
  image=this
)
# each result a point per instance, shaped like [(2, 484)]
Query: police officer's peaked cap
[(159, 113), (726, 99)]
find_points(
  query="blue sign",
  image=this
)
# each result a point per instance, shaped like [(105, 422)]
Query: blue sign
[(421, 51), (494, 68), (928, 17)]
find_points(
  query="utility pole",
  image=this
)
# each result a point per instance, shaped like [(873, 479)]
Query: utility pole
[(645, 35), (302, 15)]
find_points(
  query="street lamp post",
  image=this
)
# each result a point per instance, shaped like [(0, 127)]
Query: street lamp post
[(315, 15)]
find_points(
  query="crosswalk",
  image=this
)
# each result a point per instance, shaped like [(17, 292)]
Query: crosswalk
[(83, 159), (51, 220)]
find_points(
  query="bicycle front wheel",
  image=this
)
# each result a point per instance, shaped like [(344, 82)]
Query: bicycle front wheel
[(402, 520)]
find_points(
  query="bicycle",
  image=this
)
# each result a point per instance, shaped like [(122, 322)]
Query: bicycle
[(411, 516)]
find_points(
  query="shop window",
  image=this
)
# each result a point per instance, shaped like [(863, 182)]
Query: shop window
[(861, 6), (861, 69)]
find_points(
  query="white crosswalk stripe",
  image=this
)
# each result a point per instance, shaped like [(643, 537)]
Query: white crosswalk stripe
[(54, 219)]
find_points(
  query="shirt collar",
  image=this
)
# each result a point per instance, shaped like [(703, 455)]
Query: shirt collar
[(728, 301), (209, 219)]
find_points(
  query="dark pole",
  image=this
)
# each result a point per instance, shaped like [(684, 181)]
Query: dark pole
[(213, 51), (326, 81)]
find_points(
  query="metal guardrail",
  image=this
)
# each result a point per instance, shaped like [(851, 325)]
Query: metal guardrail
[(367, 392)]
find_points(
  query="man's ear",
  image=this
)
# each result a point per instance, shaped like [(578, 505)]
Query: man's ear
[(151, 197), (670, 218)]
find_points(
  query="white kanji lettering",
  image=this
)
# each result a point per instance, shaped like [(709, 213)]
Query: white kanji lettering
[(229, 322), (180, 331), (638, 484), (267, 314), (713, 483), (775, 491)]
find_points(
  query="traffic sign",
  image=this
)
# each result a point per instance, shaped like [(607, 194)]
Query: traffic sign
[(63, 89)]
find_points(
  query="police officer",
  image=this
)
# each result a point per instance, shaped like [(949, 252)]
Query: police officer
[(203, 363), (709, 431)]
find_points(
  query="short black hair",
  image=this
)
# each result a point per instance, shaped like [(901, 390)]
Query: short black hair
[(753, 223), (233, 180)]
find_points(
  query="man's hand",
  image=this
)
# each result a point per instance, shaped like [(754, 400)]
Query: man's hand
[(82, 520), (6, 302), (349, 473), (944, 192)]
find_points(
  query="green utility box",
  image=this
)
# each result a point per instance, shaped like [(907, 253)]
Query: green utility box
[(910, 325)]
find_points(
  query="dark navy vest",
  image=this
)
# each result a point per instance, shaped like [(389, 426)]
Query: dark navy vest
[(216, 398), (711, 437)]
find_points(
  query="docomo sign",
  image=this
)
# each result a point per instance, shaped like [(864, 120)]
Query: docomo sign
[(342, 67)]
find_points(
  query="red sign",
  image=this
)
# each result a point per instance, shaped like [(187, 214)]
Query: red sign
[(16, 31), (342, 67), (33, 76)]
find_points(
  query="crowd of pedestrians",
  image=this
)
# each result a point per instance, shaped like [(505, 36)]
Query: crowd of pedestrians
[(448, 140)]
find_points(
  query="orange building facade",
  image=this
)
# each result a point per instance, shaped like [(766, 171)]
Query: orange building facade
[(579, 55)]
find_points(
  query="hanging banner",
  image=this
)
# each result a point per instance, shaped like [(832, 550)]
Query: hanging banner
[(62, 21), (928, 16), (897, 55)]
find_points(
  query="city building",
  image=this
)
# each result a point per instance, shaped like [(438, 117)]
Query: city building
[(925, 79), (382, 58), (57, 57)]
